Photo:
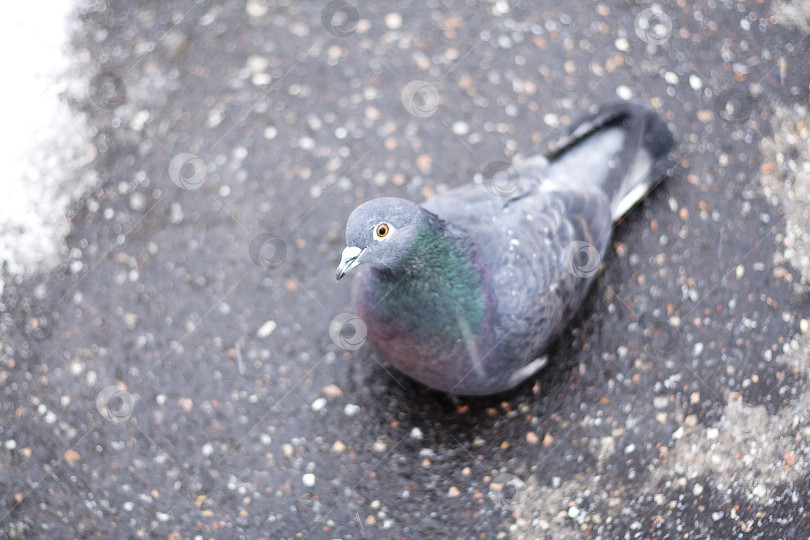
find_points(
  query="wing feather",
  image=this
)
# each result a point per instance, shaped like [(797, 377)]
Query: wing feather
[(526, 241)]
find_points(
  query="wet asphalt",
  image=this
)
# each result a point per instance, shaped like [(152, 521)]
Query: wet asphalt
[(192, 370)]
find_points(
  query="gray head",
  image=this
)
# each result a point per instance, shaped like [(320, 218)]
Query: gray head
[(381, 233)]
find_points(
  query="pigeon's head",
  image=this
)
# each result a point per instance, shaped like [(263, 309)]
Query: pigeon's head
[(381, 232)]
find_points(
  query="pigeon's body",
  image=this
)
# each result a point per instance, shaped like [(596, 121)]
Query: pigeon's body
[(466, 292)]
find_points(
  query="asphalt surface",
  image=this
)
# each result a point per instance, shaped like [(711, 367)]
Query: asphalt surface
[(182, 373)]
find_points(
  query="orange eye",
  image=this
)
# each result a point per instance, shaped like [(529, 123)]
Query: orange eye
[(382, 230)]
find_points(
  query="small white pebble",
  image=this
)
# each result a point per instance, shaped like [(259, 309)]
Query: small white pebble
[(162, 516), (630, 448), (695, 82), (11, 444), (717, 516), (308, 479), (622, 44), (318, 404), (379, 446), (671, 78), (573, 512), (461, 128), (501, 7), (139, 119), (351, 409), (712, 433), (207, 449), (257, 64), (266, 329), (176, 213), (137, 201), (697, 490), (624, 92), (256, 8), (416, 433), (393, 20)]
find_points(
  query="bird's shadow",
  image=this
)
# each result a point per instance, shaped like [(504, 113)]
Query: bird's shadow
[(393, 397)]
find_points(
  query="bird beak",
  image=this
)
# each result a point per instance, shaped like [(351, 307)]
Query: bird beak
[(348, 260)]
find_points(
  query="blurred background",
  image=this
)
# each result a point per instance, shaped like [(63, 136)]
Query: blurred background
[(176, 359)]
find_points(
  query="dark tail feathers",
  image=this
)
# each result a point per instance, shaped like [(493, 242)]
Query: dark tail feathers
[(638, 141)]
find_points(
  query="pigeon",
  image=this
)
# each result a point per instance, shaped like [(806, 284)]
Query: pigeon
[(466, 292)]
